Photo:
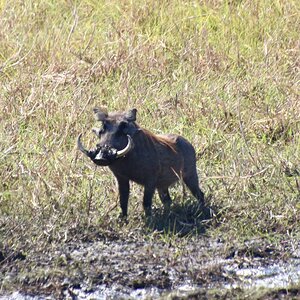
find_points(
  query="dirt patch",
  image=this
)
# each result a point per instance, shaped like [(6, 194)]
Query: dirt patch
[(136, 267)]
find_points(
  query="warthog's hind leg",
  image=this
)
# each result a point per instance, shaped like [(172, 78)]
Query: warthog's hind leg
[(192, 183)]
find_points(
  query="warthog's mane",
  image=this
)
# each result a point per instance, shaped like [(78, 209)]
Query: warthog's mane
[(160, 139)]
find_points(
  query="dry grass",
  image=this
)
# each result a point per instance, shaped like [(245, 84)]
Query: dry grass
[(223, 74)]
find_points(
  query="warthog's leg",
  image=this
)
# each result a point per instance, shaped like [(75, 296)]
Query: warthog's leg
[(191, 180), (165, 198), (124, 194), (148, 195)]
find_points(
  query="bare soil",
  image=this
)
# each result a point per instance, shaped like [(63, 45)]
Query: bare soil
[(138, 267)]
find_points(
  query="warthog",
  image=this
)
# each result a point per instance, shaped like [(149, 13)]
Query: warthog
[(134, 153)]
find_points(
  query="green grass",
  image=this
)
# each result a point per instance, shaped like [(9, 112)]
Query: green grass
[(224, 74)]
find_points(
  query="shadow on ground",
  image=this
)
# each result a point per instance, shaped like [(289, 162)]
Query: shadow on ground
[(183, 219)]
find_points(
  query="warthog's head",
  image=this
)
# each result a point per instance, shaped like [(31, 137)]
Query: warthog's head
[(115, 136)]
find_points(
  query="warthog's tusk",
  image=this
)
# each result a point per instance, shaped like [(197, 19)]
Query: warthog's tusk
[(128, 147), (81, 147)]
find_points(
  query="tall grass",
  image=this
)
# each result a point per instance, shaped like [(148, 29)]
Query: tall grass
[(225, 74)]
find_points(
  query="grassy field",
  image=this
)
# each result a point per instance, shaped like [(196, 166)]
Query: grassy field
[(224, 74)]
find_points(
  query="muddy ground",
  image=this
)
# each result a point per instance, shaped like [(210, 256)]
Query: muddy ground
[(134, 266)]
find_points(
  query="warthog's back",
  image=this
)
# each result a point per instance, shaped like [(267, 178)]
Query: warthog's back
[(179, 162)]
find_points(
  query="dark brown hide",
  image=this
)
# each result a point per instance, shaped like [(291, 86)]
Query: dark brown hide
[(154, 161)]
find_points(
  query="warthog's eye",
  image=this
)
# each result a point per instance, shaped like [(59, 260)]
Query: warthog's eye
[(104, 128), (122, 126)]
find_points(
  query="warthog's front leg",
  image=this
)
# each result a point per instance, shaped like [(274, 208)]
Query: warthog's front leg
[(165, 199), (148, 195), (123, 194)]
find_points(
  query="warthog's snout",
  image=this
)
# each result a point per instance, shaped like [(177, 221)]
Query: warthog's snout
[(104, 155)]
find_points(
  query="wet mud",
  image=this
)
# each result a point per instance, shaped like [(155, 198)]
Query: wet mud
[(136, 268)]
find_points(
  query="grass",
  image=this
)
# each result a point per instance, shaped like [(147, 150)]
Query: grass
[(224, 74)]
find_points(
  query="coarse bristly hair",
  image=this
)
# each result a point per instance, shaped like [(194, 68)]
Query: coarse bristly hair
[(160, 139)]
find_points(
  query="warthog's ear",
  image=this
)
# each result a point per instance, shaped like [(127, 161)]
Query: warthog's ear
[(131, 115), (100, 114)]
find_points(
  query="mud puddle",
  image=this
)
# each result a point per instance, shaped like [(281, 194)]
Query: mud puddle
[(277, 275), (145, 269)]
